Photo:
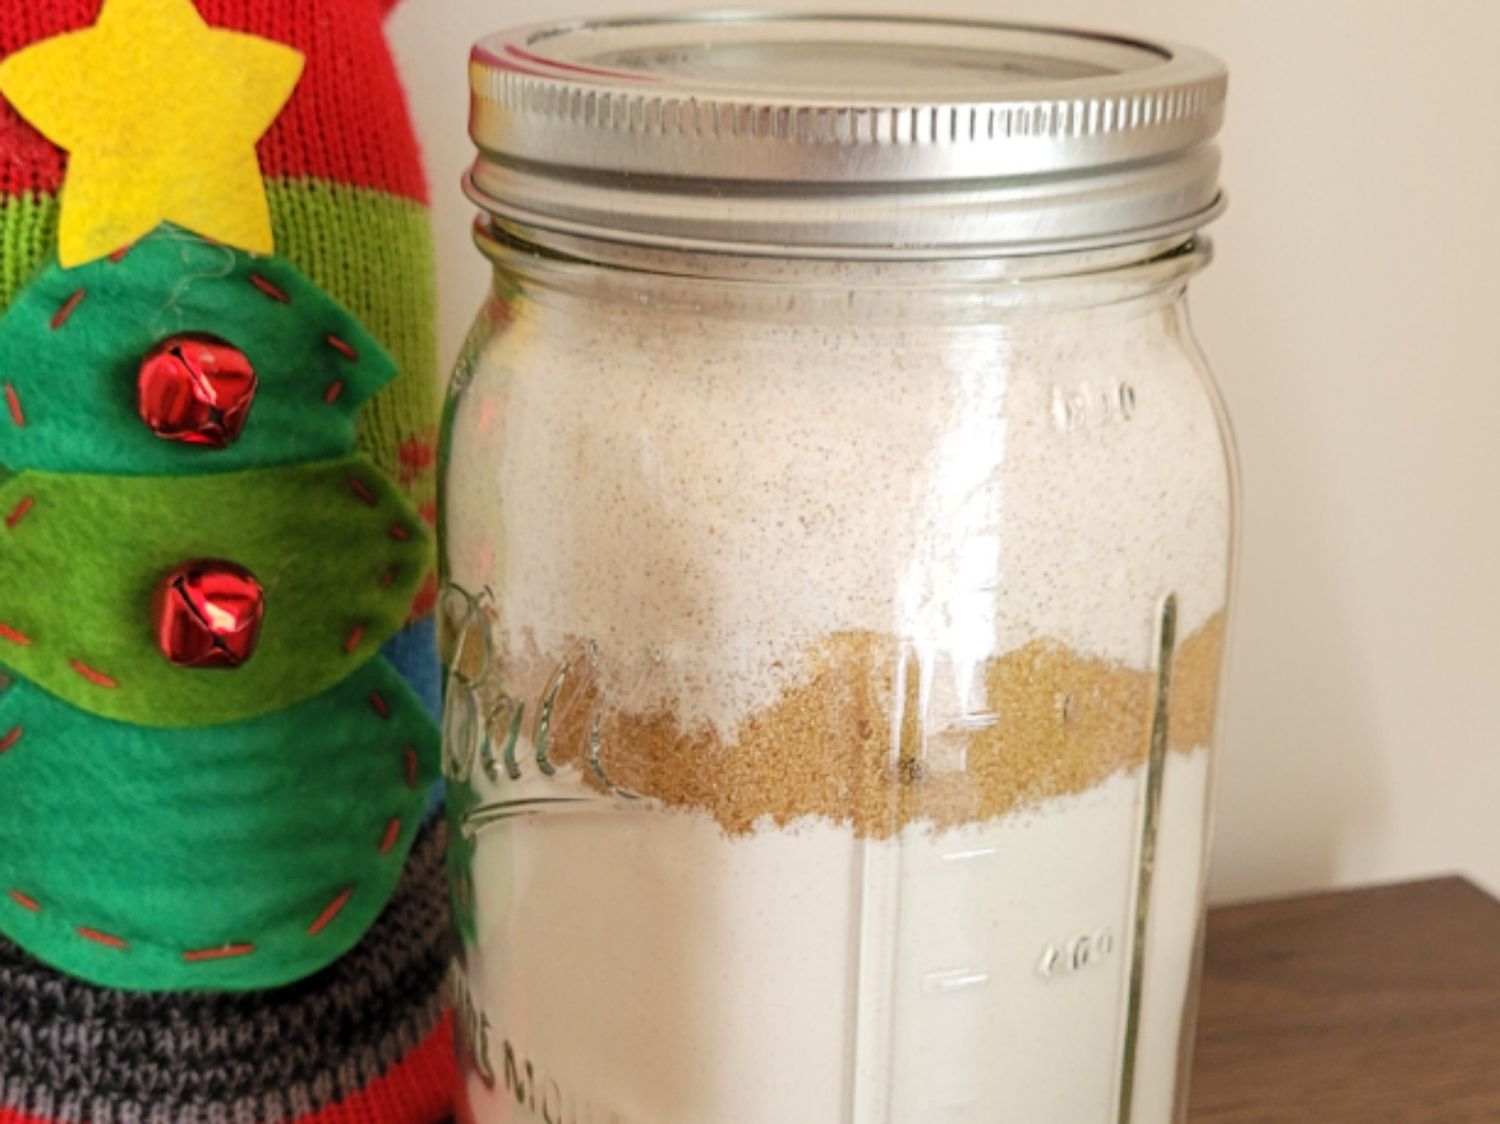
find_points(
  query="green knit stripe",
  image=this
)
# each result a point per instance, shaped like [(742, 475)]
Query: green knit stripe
[(370, 251), (28, 240)]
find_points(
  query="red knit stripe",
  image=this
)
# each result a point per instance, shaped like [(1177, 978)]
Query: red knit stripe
[(416, 1090), (16, 1116), (347, 120)]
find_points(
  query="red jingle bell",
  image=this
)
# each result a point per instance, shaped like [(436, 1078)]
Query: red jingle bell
[(195, 388), (207, 614)]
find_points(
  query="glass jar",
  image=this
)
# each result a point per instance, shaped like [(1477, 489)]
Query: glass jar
[(837, 519)]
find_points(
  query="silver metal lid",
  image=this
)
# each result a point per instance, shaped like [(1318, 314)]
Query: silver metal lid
[(828, 135)]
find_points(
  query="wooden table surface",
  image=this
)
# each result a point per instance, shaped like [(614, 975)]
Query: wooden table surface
[(1378, 1006)]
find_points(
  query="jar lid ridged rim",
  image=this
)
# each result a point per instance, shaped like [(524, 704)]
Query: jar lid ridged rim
[(828, 134)]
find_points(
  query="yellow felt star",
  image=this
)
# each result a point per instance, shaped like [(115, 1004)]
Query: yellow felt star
[(160, 114)]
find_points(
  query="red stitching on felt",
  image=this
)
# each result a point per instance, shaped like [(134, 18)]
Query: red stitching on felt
[(331, 911), (223, 952), (97, 678), (399, 533), (392, 833), (119, 255), (25, 901), (60, 317), (411, 766), (356, 634), (17, 415), (335, 388), (379, 705), (362, 490), (19, 511), (11, 738), (342, 348), (388, 578), (8, 633), (108, 940), (269, 289)]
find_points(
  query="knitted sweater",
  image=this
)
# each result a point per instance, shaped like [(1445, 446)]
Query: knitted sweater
[(366, 1039)]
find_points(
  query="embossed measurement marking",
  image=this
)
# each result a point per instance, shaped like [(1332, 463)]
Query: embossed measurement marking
[(955, 979), (1064, 958), (1090, 406)]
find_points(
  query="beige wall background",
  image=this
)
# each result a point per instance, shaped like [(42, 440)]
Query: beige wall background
[(1353, 315)]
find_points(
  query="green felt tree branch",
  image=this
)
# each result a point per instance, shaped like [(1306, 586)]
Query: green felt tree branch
[(225, 857), (338, 552)]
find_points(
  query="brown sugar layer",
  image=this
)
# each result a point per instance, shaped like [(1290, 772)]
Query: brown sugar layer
[(1194, 696), (851, 740)]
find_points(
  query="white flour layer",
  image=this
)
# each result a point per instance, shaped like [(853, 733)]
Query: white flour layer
[(638, 966), (717, 491)]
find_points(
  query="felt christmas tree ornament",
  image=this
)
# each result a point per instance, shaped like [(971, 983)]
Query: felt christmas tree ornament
[(187, 586), (216, 471)]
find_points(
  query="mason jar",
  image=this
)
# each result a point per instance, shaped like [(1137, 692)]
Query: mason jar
[(837, 523)]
